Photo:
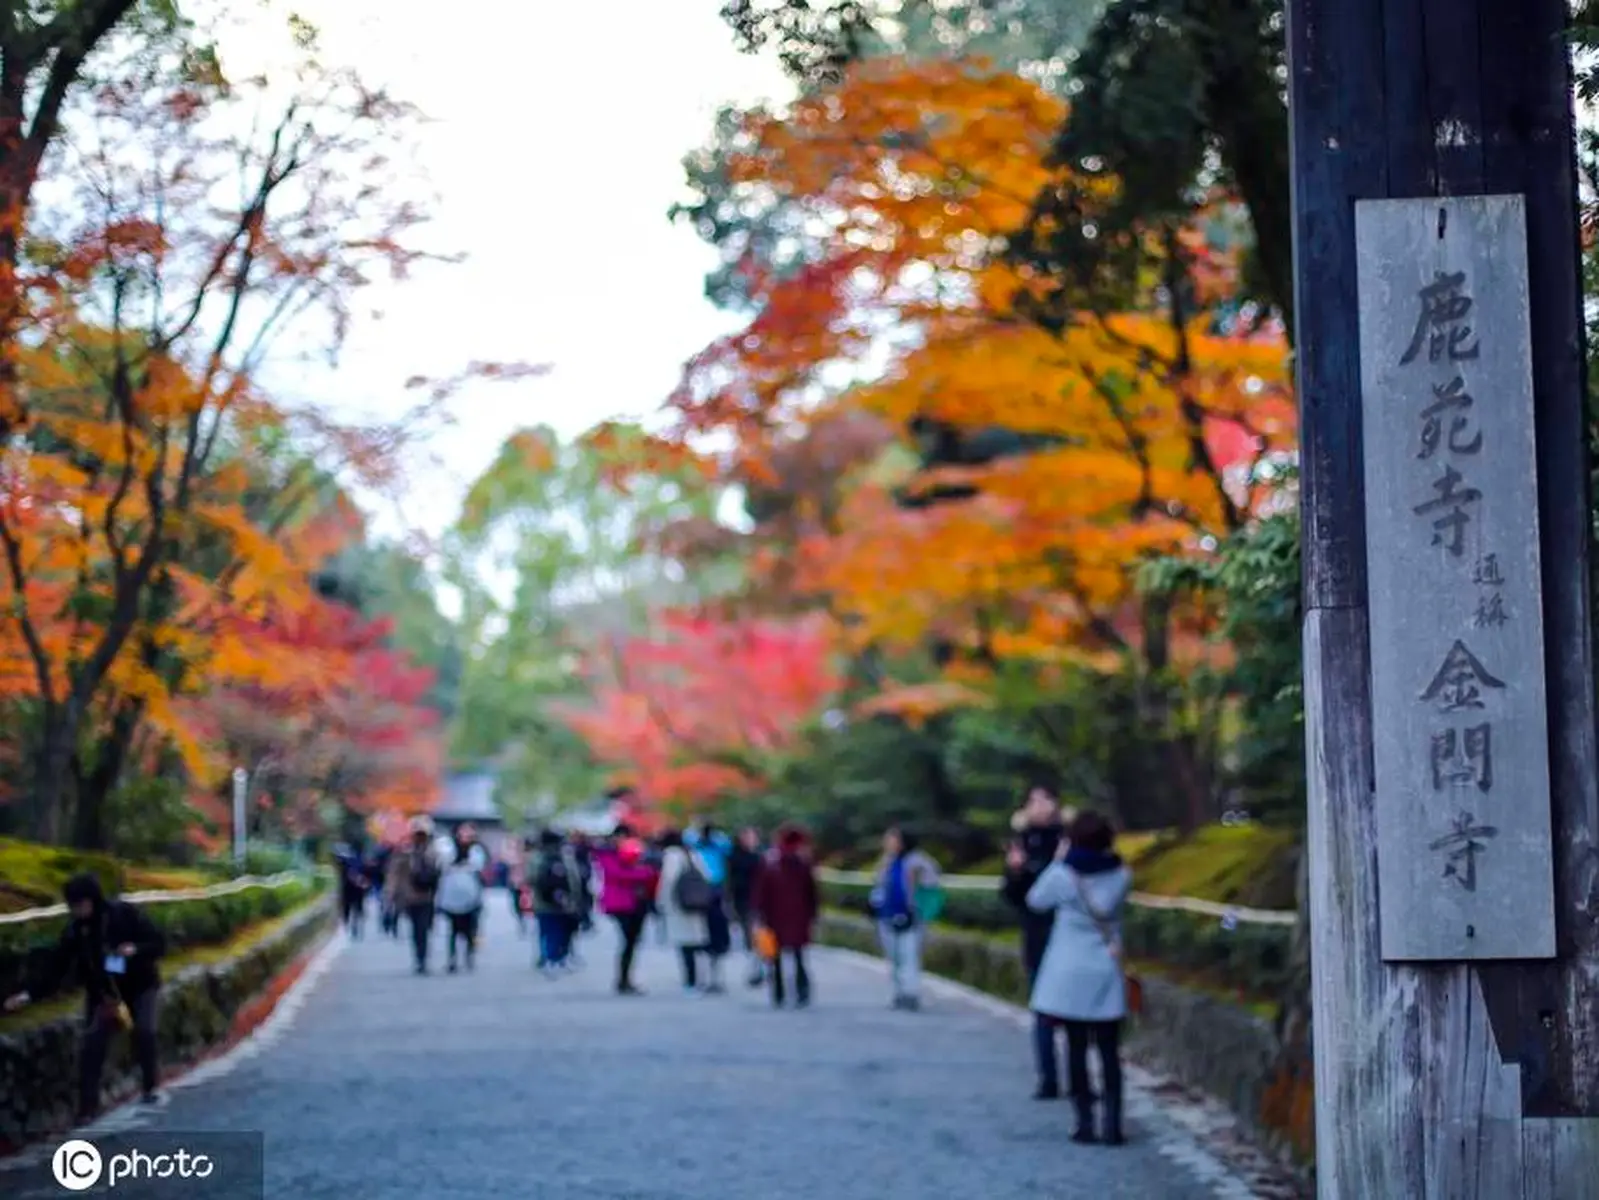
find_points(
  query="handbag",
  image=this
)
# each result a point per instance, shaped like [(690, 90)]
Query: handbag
[(114, 1012), (766, 944), (1132, 985)]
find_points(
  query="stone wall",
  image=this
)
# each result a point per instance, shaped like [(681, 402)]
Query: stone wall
[(200, 1011), (1210, 1045)]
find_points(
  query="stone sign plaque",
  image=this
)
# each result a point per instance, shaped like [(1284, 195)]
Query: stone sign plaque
[(1464, 853)]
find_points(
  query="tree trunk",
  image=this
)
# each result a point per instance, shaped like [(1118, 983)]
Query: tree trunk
[(96, 785), (52, 768)]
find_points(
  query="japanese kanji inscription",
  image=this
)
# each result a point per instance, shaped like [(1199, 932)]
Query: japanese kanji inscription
[(1464, 856)]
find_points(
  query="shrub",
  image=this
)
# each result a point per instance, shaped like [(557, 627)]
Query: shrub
[(1249, 959), (31, 875)]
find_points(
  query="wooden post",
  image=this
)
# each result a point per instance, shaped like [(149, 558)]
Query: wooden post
[(1443, 1079)]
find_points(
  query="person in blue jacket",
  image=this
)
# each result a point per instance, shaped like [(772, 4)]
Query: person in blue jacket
[(714, 848)]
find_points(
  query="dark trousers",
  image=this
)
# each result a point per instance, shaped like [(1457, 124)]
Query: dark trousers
[(631, 927), (720, 932), (745, 918), (571, 926), (421, 918), (353, 910), (802, 978), (463, 928), (97, 1035), (555, 938), (690, 956), (1035, 940), (1106, 1037)]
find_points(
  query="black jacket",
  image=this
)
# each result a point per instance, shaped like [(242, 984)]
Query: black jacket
[(743, 864), (1038, 843), (80, 954)]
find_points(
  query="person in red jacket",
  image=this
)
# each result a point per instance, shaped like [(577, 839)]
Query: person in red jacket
[(627, 896), (786, 904)]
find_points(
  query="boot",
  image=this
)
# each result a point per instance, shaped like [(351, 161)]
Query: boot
[(1084, 1133), (1113, 1115)]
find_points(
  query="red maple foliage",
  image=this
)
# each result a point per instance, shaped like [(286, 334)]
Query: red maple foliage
[(344, 716), (696, 710)]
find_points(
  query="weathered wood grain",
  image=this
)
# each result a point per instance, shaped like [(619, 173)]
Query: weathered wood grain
[(1462, 771), (1440, 1081)]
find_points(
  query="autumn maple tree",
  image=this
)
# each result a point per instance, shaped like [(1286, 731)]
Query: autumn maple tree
[(329, 711), (143, 500), (1140, 406), (699, 708)]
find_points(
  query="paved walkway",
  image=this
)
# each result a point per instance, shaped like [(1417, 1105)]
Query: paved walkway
[(501, 1083)]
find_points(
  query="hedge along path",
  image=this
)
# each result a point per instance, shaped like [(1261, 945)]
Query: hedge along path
[(54, 1008), (243, 883), (1191, 904)]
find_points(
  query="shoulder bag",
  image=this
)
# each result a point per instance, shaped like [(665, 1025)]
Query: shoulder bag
[(1132, 984)]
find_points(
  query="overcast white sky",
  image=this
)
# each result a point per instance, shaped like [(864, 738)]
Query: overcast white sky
[(558, 130)]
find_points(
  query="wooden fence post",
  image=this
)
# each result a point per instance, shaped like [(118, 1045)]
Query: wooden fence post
[(1474, 1077)]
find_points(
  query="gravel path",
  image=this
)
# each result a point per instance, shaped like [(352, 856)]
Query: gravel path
[(387, 1085)]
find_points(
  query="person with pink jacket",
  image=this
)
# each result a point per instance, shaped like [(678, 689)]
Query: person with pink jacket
[(627, 895)]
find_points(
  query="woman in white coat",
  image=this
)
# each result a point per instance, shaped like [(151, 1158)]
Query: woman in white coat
[(685, 897), (1080, 983)]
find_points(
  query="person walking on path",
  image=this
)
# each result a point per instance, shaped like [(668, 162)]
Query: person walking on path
[(113, 950), (414, 882), (905, 877), (353, 880), (686, 896), (460, 895), (786, 902), (743, 864), (627, 896), (557, 900), (583, 921), (713, 847), (377, 874), (1081, 981), (1038, 831)]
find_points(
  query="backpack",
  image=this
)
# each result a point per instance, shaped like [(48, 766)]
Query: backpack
[(692, 891), (424, 874), (553, 881)]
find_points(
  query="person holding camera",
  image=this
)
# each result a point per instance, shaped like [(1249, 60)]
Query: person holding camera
[(1039, 832), (112, 949)]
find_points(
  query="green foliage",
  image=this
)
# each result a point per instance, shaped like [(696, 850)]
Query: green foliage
[(259, 859), (1251, 960), (1252, 580), (1249, 865), (31, 875), (554, 554), (147, 817)]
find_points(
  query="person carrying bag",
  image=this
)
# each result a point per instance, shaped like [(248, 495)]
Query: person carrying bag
[(1082, 983), (112, 950), (906, 896)]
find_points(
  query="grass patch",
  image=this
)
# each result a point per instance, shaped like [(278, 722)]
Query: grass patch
[(31, 874), (69, 1003), (1249, 865)]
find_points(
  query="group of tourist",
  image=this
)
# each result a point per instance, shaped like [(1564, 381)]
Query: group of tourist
[(1062, 875), (702, 886)]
